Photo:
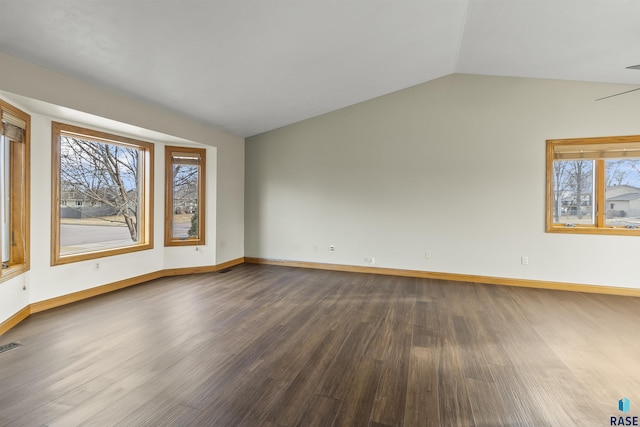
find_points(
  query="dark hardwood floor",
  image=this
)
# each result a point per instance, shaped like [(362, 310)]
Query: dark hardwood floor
[(278, 346)]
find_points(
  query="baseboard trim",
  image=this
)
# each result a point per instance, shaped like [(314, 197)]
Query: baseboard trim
[(121, 284), (48, 304), (202, 269), (14, 320), (525, 283)]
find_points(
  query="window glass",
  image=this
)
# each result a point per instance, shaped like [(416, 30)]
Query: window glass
[(5, 199), (573, 191), (14, 190), (622, 206), (593, 185), (185, 196), (102, 191)]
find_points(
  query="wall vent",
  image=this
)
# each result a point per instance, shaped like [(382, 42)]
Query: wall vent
[(10, 346)]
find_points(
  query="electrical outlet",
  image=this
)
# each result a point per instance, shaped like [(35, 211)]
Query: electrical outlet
[(427, 255), (332, 248), (524, 260), (96, 266)]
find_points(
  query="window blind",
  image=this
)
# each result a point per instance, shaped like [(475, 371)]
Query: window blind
[(614, 150), (178, 158), (12, 126)]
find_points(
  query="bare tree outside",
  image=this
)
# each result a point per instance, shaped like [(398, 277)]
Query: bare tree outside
[(623, 172), (616, 172), (560, 187), (573, 190), (101, 176), (581, 182), (185, 200), (102, 200)]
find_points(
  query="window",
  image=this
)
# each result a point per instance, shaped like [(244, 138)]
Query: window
[(593, 185), (184, 196), (14, 190), (102, 194)]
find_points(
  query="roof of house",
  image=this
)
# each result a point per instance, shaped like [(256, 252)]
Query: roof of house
[(625, 197)]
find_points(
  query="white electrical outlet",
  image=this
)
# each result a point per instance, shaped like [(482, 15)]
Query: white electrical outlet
[(524, 260), (427, 255), (96, 266), (332, 248)]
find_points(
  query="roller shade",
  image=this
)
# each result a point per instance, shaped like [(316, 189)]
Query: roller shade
[(12, 127), (614, 150), (178, 158)]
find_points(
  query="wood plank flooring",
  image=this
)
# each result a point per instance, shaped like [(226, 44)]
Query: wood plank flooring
[(278, 346)]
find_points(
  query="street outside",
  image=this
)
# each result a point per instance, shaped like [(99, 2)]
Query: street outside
[(75, 234), (610, 222), (79, 235)]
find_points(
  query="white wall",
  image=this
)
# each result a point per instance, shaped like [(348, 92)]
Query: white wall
[(47, 282), (455, 166), (13, 296), (76, 102)]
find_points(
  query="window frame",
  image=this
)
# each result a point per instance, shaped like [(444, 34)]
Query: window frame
[(598, 149), (20, 199), (145, 221), (169, 240)]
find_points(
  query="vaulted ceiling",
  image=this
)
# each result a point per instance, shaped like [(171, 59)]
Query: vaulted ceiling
[(248, 66)]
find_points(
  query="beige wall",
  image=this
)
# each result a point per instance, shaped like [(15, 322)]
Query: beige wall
[(73, 101), (455, 166)]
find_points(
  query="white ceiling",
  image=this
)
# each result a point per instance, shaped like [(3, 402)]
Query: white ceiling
[(248, 66)]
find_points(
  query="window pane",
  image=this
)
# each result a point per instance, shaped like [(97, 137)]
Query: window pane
[(5, 198), (99, 195), (185, 169), (14, 191), (622, 196), (573, 191), (186, 172)]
